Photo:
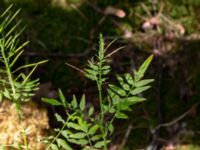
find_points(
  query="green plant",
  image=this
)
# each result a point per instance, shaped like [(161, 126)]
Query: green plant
[(93, 128), (15, 85)]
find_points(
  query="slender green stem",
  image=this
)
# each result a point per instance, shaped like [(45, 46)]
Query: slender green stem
[(10, 78), (22, 126), (99, 84), (92, 148), (102, 115), (101, 104), (54, 139), (13, 97)]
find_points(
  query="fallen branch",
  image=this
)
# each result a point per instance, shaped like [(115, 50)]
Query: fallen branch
[(128, 131), (177, 119)]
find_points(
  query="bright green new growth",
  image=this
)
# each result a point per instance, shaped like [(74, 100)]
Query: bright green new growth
[(18, 86), (15, 85), (86, 127)]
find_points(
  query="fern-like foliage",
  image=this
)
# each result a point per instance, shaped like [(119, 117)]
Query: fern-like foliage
[(15, 85), (126, 94), (91, 129), (78, 128), (99, 69)]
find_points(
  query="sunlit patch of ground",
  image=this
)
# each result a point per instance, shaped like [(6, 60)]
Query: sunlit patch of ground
[(182, 147), (188, 147), (35, 121)]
